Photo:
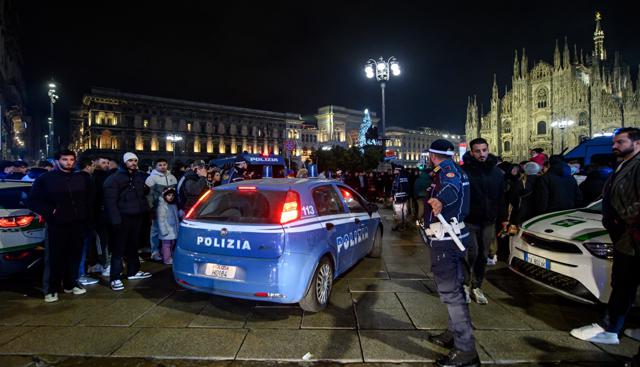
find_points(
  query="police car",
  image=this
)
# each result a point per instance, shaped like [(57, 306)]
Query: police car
[(278, 240), (21, 231), (568, 251)]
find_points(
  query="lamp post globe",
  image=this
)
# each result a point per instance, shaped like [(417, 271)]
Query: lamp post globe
[(380, 69)]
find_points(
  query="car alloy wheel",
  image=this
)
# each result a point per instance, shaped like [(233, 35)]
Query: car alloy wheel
[(323, 283)]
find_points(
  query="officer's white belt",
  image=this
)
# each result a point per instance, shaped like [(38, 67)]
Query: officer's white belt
[(436, 232)]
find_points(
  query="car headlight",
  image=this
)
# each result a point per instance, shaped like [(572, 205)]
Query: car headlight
[(600, 250)]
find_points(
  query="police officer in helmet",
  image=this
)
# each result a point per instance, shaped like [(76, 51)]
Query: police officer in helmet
[(448, 195)]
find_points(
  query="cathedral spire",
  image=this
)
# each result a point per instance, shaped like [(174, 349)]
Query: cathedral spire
[(576, 60), (524, 64), (566, 58), (598, 40), (516, 66), (556, 57), (494, 89)]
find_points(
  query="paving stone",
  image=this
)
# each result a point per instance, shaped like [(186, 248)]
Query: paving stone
[(16, 361), (492, 316), (367, 268), (393, 285), (626, 349), (183, 343), (403, 346), (405, 271), (339, 314), (9, 333), (223, 312), (69, 341), (364, 300), (122, 312), (537, 346), (68, 311), (389, 318), (291, 345), (426, 311), (17, 311), (179, 310), (284, 317)]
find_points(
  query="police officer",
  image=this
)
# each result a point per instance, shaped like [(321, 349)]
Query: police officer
[(448, 195), (236, 173), (400, 195)]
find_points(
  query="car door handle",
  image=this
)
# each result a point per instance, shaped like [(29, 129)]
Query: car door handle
[(329, 226), (357, 220)]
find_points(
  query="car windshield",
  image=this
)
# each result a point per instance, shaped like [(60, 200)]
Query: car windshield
[(595, 207), (242, 206), (14, 197)]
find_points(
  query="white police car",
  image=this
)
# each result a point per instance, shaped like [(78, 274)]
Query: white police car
[(278, 240), (568, 251)]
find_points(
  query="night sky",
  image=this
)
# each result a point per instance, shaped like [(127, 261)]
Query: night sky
[(296, 57)]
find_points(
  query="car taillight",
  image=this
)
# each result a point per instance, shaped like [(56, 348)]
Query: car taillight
[(15, 222), (197, 204), (247, 188), (16, 255), (601, 250), (291, 208)]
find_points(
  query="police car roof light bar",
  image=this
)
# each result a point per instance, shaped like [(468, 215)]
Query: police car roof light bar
[(197, 204), (291, 208)]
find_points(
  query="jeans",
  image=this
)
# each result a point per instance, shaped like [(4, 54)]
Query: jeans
[(624, 284), (153, 237), (62, 256), (125, 238), (480, 237), (447, 265)]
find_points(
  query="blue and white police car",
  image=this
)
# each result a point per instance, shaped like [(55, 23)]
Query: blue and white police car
[(278, 240)]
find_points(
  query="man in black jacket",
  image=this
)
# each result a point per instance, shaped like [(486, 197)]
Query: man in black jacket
[(194, 184), (486, 207), (557, 189), (64, 199), (125, 205)]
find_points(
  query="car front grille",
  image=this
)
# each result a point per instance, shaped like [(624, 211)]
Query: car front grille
[(553, 279), (550, 245)]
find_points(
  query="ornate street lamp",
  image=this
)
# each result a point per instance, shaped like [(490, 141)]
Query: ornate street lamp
[(562, 124), (53, 98), (382, 70)]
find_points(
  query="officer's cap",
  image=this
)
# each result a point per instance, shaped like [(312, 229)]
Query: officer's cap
[(442, 146)]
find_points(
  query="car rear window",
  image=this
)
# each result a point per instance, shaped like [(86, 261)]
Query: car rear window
[(242, 206), (14, 197)]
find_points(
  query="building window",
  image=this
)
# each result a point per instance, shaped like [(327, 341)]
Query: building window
[(507, 146), (582, 119), (188, 126), (145, 123), (542, 98), (542, 128), (155, 145), (507, 127)]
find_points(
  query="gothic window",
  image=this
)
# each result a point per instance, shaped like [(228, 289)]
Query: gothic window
[(507, 146), (582, 119), (542, 98), (507, 127), (542, 128), (105, 140)]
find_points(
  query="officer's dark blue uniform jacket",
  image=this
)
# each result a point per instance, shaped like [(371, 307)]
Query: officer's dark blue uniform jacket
[(400, 188), (451, 186), (232, 175)]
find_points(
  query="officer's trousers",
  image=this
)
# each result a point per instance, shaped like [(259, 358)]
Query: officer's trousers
[(447, 265)]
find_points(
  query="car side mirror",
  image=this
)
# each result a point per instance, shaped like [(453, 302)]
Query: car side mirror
[(372, 208)]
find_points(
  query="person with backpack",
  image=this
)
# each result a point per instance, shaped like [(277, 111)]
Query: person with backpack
[(158, 181)]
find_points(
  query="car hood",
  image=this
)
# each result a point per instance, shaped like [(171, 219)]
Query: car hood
[(575, 224)]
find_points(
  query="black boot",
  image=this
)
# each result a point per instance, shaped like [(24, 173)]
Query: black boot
[(458, 358), (444, 340)]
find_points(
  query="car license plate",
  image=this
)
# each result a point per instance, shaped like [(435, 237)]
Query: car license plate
[(220, 271), (536, 260)]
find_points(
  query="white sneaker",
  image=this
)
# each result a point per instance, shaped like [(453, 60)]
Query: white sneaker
[(117, 285), (155, 256), (97, 268), (85, 280), (140, 275), (107, 271), (632, 333), (51, 297), (77, 290), (467, 297), (492, 260), (479, 296), (596, 334)]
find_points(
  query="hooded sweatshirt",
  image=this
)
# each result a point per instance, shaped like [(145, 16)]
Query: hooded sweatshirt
[(157, 183), (557, 189)]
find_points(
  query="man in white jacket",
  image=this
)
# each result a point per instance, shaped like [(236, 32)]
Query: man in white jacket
[(159, 180)]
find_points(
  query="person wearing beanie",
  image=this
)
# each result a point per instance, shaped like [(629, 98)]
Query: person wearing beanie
[(125, 205), (158, 181)]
